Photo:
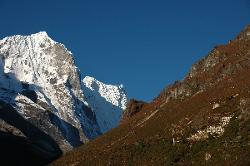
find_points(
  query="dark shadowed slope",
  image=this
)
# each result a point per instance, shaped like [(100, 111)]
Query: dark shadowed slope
[(33, 148)]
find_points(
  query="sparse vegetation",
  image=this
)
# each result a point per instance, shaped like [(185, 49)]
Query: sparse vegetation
[(214, 95)]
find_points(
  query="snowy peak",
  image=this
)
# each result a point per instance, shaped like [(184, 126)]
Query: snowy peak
[(41, 34), (105, 100), (115, 94), (39, 78), (36, 38), (47, 68)]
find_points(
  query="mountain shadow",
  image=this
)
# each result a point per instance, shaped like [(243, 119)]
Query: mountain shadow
[(69, 132), (36, 148), (10, 87)]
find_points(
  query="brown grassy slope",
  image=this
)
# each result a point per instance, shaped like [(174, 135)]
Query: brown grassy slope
[(182, 126)]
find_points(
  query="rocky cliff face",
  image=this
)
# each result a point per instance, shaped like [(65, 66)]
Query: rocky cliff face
[(39, 79), (221, 63), (133, 107)]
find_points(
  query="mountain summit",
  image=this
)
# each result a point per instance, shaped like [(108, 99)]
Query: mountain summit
[(40, 84)]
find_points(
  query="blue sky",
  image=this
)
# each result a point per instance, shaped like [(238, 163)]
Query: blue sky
[(143, 44)]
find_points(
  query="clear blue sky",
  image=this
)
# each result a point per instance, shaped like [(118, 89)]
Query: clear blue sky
[(143, 44)]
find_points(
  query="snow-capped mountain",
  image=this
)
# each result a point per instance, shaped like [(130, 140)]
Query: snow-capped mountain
[(39, 79), (107, 101)]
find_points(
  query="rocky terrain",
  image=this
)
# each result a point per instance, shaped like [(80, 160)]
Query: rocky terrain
[(202, 120), (47, 109)]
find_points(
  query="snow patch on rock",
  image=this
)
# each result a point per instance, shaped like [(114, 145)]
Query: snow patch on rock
[(214, 131), (216, 105)]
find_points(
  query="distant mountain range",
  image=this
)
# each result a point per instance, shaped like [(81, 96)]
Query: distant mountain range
[(47, 109), (202, 120)]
